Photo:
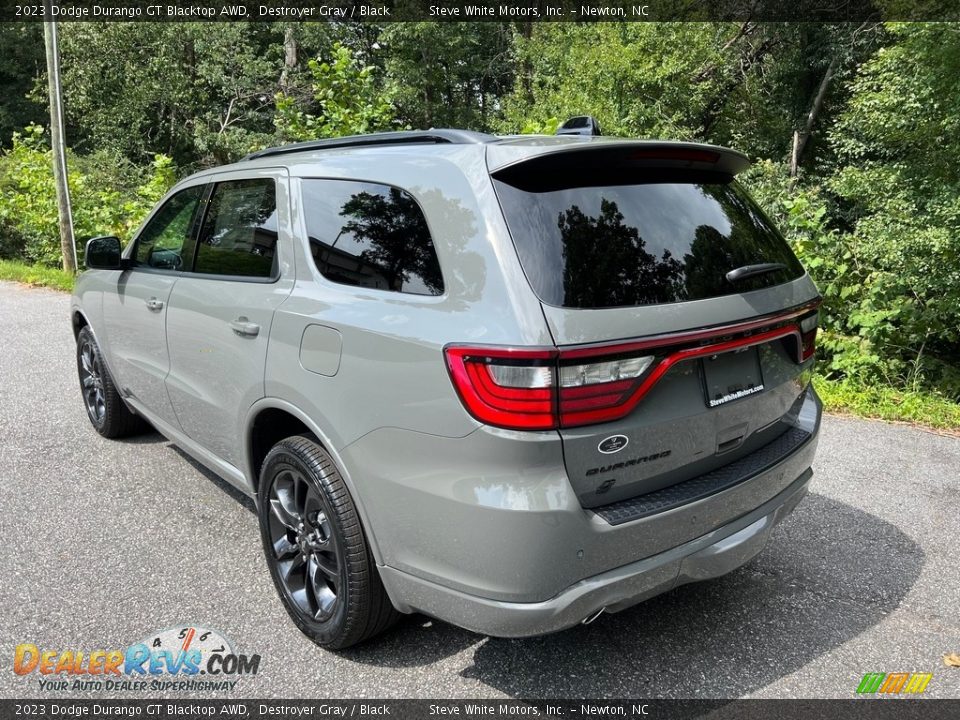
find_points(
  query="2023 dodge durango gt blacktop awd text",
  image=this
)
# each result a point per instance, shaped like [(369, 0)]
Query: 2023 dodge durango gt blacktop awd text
[(508, 382)]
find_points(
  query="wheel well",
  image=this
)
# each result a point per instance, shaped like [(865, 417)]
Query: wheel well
[(270, 427), (79, 322)]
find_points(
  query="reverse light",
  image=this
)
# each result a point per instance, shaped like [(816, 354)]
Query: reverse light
[(519, 376), (603, 372)]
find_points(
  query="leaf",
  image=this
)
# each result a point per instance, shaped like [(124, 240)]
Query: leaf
[(952, 660)]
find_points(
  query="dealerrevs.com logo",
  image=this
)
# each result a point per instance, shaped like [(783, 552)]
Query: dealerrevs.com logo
[(179, 658)]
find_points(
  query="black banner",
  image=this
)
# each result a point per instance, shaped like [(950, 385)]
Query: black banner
[(872, 709), (482, 11)]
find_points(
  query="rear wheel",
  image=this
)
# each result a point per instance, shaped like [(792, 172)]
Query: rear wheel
[(107, 411), (315, 547)]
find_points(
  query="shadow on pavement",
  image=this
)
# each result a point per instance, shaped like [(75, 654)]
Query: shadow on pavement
[(829, 573), (227, 488), (152, 437)]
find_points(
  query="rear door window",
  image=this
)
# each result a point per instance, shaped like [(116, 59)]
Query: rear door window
[(239, 232), (642, 243), (370, 235)]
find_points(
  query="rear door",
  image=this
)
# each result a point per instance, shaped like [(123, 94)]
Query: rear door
[(135, 312), (669, 367), (221, 311)]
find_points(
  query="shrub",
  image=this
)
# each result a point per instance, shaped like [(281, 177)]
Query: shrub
[(109, 196)]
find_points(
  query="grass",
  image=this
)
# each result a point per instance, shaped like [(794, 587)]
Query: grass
[(37, 275), (925, 408), (920, 407)]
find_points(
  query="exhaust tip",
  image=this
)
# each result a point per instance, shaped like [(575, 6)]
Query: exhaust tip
[(590, 618)]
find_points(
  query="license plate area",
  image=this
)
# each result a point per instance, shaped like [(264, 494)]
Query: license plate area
[(731, 376)]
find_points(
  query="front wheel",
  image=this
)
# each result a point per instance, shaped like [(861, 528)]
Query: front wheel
[(107, 411), (315, 547)]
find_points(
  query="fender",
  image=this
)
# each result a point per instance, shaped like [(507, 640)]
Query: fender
[(327, 444)]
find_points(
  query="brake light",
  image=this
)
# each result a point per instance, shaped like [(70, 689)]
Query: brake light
[(538, 390), (552, 388), (680, 154), (808, 335), (508, 388)]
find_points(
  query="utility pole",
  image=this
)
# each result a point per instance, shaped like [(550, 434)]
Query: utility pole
[(67, 245)]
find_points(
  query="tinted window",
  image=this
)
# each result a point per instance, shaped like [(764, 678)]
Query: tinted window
[(369, 235), (639, 244), (239, 233), (165, 240)]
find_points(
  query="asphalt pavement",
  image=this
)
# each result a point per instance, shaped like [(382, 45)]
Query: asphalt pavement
[(104, 542)]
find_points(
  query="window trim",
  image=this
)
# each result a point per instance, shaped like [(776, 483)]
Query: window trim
[(274, 275), (346, 287), (200, 216)]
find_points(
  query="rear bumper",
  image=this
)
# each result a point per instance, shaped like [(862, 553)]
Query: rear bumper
[(711, 555)]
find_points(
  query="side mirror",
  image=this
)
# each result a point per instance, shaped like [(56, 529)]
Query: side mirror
[(103, 253)]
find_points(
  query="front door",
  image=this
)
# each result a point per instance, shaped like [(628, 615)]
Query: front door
[(220, 312), (134, 316)]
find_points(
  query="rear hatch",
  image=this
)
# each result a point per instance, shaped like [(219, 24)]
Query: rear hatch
[(684, 322)]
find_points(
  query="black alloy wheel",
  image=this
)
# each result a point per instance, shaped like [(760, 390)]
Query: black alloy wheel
[(107, 411), (316, 549)]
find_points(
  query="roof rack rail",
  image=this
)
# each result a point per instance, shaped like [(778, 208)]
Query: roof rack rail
[(458, 137)]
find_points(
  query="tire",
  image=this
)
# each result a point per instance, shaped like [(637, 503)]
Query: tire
[(316, 549), (107, 411)]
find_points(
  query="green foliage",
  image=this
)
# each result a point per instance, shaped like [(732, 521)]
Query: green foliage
[(21, 66), (896, 188), (109, 197), (202, 94), (39, 275), (536, 127), (448, 74), (924, 407), (635, 78), (346, 98)]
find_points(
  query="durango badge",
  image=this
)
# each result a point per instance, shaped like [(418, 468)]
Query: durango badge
[(612, 444)]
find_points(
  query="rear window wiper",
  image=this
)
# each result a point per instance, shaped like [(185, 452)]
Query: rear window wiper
[(750, 270)]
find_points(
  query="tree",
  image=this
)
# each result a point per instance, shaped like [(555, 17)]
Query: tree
[(399, 240), (448, 74), (140, 88), (606, 262), (896, 186), (346, 101), (20, 71)]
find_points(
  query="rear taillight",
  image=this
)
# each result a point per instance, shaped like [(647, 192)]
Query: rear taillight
[(808, 335), (548, 389), (507, 388), (539, 390)]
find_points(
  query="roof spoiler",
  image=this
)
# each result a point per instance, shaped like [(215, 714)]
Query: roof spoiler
[(611, 159)]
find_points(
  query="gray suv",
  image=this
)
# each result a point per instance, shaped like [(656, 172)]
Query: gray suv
[(508, 382)]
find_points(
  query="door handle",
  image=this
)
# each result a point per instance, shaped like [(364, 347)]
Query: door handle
[(155, 304), (243, 327)]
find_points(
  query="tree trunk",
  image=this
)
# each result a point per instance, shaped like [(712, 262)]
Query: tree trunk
[(801, 137), (290, 53)]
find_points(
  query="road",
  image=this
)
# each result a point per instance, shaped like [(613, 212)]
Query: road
[(104, 542)]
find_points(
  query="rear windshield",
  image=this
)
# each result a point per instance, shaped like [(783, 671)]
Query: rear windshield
[(626, 244)]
